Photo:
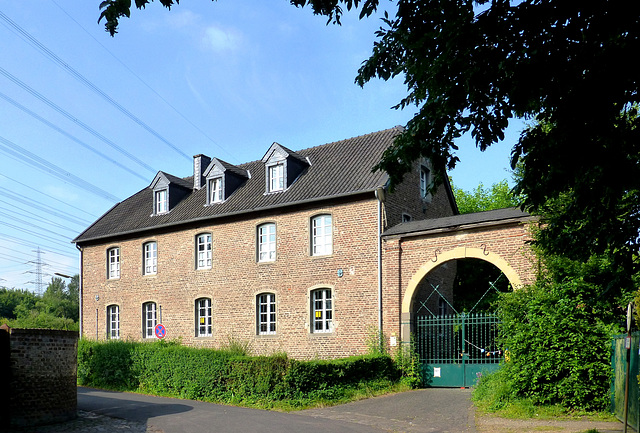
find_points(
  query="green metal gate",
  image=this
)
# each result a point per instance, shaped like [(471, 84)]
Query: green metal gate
[(456, 349)]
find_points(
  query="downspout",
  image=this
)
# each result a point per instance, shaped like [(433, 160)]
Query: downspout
[(80, 285), (380, 195)]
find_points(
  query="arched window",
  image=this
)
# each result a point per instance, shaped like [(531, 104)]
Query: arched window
[(266, 313), (266, 242), (113, 322), (204, 325), (113, 263), (321, 311), (321, 235), (150, 258), (149, 319), (203, 251)]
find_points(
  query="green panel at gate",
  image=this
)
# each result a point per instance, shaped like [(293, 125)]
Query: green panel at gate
[(619, 364), (442, 375)]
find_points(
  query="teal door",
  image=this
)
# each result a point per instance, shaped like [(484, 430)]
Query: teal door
[(456, 349)]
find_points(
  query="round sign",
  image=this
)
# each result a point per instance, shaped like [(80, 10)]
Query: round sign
[(160, 330)]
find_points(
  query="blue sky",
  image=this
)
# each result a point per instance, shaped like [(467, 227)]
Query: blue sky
[(86, 119)]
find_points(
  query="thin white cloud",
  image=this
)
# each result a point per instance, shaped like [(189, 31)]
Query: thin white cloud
[(219, 40)]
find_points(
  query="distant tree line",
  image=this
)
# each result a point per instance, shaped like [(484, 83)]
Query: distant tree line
[(57, 308)]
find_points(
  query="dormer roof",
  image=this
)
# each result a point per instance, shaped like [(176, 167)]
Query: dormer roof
[(278, 151), (218, 165)]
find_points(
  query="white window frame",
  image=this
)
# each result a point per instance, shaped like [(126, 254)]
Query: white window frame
[(113, 322), (215, 190), (424, 181), (150, 258), (266, 312), (267, 242), (276, 177), (322, 311), (203, 251), (204, 318), (161, 200), (149, 319), (113, 263), (321, 235)]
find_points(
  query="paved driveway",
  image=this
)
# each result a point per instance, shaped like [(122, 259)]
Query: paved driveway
[(422, 411)]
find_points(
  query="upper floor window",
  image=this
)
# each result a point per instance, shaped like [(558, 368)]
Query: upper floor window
[(266, 306), (321, 311), (113, 263), (276, 177), (149, 319), (161, 199), (150, 258), (203, 317), (406, 218), (203, 251), (267, 242), (113, 322), (424, 181), (321, 235), (215, 190)]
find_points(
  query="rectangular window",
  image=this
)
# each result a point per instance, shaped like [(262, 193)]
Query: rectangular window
[(321, 235), (266, 314), (215, 190), (321, 310), (113, 322), (203, 250), (267, 242), (162, 201), (203, 318), (113, 263), (424, 181), (149, 319), (150, 258), (276, 177)]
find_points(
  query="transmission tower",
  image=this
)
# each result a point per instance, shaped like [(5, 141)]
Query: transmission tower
[(38, 272)]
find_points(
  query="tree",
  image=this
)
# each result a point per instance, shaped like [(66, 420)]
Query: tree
[(471, 66), (499, 196)]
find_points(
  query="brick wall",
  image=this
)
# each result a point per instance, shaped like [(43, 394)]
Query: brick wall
[(41, 379), (236, 278)]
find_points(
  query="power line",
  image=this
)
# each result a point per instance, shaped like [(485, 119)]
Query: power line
[(145, 83), (69, 136), (78, 76), (44, 208), (26, 243), (34, 160), (23, 253), (35, 226), (83, 125), (48, 196), (36, 217)]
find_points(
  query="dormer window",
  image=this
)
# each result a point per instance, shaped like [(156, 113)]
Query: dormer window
[(168, 191), (161, 201), (282, 168), (215, 190), (223, 179), (424, 181), (276, 178)]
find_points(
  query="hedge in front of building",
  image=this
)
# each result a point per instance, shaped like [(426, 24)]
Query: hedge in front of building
[(222, 376)]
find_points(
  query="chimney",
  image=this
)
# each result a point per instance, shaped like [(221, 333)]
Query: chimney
[(200, 164)]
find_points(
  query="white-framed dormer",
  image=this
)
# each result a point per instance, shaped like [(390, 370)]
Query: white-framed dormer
[(281, 167), (168, 190), (222, 179)]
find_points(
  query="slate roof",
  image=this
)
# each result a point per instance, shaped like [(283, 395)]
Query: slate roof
[(458, 221), (337, 169)]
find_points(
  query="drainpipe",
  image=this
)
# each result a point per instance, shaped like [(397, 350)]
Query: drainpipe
[(380, 195), (80, 285)]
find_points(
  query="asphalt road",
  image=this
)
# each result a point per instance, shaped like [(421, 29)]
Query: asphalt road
[(422, 411)]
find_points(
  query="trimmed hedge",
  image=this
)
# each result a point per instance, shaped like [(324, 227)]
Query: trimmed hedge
[(167, 368)]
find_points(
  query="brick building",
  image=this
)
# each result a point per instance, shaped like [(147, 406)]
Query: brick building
[(283, 252)]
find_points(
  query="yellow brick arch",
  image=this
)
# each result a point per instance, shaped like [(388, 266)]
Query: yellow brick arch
[(457, 253)]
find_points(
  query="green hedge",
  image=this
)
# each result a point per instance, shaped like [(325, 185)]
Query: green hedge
[(166, 368)]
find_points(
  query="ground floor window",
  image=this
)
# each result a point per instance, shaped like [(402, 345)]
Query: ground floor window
[(266, 313), (113, 322), (321, 310), (149, 319), (203, 317)]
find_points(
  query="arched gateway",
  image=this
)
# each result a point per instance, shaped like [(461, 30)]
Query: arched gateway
[(413, 250)]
